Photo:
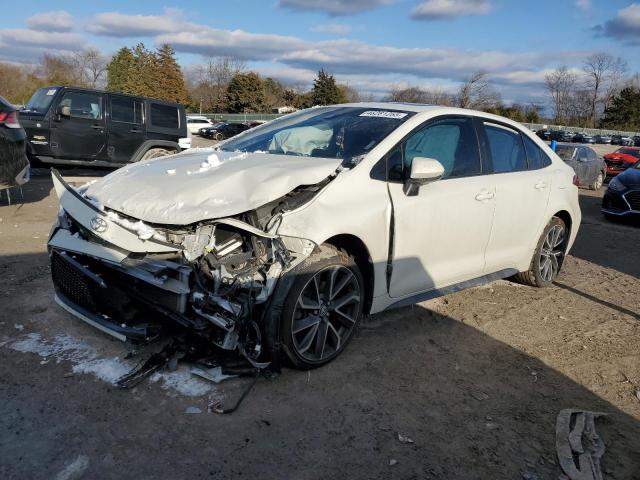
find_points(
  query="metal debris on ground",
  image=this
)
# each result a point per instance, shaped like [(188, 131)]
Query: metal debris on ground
[(192, 410), (578, 445)]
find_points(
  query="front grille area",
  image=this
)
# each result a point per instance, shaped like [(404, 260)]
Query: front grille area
[(633, 198), (72, 283)]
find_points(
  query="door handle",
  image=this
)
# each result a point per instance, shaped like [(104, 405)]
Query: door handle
[(135, 130), (97, 127), (483, 196), (540, 185)]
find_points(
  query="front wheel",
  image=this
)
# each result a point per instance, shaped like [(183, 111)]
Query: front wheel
[(548, 256), (323, 308), (598, 182)]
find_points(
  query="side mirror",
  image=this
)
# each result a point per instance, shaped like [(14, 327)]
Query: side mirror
[(423, 170), (63, 111)]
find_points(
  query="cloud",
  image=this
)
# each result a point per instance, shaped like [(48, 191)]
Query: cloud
[(334, 8), (114, 24), (583, 4), (625, 26), (33, 38), (58, 21), (334, 28), (448, 9)]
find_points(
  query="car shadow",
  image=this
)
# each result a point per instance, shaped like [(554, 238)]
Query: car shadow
[(471, 406)]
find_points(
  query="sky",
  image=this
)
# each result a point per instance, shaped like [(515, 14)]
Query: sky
[(372, 45)]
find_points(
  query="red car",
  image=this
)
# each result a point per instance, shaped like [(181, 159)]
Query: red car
[(623, 158)]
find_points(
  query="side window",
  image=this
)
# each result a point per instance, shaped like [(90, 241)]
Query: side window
[(83, 105), (164, 116), (452, 142), (507, 149), (591, 155), (126, 110), (537, 158)]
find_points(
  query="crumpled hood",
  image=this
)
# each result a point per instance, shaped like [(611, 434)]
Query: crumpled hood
[(205, 184)]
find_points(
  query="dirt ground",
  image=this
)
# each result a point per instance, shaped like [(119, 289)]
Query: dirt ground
[(475, 379)]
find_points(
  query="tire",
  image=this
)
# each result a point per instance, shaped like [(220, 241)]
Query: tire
[(598, 182), (219, 137), (311, 311), (542, 274), (155, 153)]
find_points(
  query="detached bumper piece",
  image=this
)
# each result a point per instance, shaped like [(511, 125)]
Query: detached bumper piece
[(98, 294)]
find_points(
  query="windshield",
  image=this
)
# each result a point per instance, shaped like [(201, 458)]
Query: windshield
[(564, 152), (629, 151), (41, 100), (327, 132)]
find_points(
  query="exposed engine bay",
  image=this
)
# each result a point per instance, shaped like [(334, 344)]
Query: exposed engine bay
[(215, 278)]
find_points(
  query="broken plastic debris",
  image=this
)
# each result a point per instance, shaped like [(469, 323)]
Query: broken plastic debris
[(392, 462), (404, 438), (171, 171), (18, 326), (579, 447), (191, 410), (211, 162), (214, 374)]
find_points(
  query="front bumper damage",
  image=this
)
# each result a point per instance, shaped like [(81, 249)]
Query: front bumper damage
[(133, 280)]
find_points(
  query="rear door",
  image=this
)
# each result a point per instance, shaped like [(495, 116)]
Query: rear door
[(82, 134), (126, 127), (522, 193)]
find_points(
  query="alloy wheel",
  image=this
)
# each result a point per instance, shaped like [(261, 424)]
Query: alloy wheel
[(326, 313), (551, 253), (599, 181)]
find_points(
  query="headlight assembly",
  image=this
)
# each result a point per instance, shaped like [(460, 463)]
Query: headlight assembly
[(616, 185)]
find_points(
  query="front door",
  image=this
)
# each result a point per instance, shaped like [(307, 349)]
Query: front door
[(126, 128), (440, 234), (80, 135)]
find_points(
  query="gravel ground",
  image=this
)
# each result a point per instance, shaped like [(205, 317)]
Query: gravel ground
[(475, 380)]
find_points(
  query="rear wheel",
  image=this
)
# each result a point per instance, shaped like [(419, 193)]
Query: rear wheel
[(548, 257), (155, 153), (219, 137), (323, 308)]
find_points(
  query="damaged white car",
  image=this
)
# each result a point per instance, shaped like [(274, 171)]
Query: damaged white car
[(280, 240)]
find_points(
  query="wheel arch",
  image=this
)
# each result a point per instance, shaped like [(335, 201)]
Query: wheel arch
[(355, 247), (565, 216)]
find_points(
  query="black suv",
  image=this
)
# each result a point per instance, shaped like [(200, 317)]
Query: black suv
[(68, 125), (14, 167)]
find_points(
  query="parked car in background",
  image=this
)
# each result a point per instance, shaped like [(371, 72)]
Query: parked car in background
[(80, 126), (583, 137), (256, 259), (589, 167), (621, 140), (14, 166), (224, 130), (602, 139), (205, 131), (254, 123), (562, 136), (636, 140), (196, 122), (622, 198), (544, 134), (621, 159)]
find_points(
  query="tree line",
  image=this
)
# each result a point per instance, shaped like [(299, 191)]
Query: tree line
[(600, 94)]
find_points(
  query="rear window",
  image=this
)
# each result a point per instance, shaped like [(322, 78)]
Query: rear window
[(629, 151), (164, 116), (564, 152), (126, 110), (537, 158), (507, 150)]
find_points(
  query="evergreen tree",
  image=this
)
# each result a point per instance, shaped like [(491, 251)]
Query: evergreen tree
[(245, 93), (325, 90), (624, 111), (119, 71), (170, 82)]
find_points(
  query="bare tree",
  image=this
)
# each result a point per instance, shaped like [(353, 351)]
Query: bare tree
[(560, 85), (476, 92), (90, 67), (616, 79), (211, 79), (434, 96), (598, 69)]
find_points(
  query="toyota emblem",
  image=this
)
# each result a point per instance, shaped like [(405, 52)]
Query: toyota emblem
[(98, 224)]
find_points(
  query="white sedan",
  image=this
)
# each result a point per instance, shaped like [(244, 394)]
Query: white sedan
[(276, 243)]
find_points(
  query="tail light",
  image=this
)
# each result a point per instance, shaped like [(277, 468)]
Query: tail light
[(576, 181), (9, 120)]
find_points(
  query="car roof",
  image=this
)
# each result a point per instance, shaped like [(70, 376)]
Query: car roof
[(98, 90), (567, 144), (630, 148)]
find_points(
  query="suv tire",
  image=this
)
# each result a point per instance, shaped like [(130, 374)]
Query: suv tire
[(323, 308), (155, 153), (548, 256)]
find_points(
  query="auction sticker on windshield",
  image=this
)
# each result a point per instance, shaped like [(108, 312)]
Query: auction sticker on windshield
[(383, 114)]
